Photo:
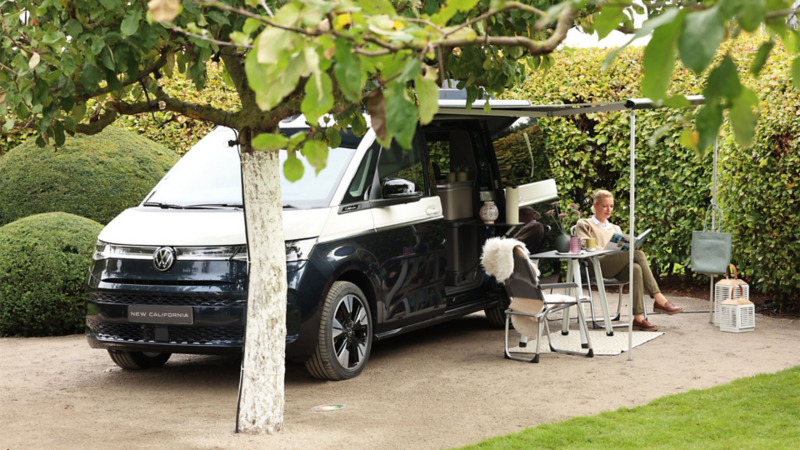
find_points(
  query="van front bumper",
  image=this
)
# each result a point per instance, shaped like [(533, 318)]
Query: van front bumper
[(218, 323)]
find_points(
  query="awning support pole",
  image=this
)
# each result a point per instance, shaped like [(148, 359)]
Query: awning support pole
[(631, 250), (711, 300)]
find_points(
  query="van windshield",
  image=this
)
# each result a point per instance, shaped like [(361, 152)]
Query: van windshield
[(209, 176)]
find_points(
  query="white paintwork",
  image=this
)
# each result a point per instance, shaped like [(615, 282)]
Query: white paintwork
[(150, 226), (540, 191), (425, 209), (339, 226)]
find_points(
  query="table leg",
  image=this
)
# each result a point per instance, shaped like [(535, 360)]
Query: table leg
[(578, 294), (565, 313), (601, 290)]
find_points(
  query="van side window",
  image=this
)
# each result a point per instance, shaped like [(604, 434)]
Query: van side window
[(397, 162), (359, 188)]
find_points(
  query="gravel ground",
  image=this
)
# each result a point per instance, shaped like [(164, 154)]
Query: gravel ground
[(437, 388)]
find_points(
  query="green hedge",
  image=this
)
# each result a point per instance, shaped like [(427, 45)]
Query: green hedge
[(91, 176), (761, 184), (44, 262), (758, 187)]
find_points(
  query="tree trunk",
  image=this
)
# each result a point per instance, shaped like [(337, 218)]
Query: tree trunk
[(262, 396)]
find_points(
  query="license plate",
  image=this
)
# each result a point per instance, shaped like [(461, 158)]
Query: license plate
[(160, 314)]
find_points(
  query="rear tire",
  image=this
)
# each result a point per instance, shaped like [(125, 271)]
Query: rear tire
[(345, 334), (138, 360)]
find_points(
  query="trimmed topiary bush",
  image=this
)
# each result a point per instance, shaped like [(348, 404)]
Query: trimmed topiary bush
[(44, 262), (90, 176)]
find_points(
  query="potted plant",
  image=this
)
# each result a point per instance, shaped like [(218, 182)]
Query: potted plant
[(561, 219)]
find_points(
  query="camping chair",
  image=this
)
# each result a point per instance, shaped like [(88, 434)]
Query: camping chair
[(592, 281), (507, 260)]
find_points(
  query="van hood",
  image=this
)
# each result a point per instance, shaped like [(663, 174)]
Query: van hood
[(149, 226)]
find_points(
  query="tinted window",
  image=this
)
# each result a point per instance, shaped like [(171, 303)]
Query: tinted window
[(397, 162)]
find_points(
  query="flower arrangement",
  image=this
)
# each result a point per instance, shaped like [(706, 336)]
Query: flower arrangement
[(561, 218)]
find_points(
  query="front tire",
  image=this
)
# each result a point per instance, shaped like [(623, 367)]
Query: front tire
[(138, 360), (345, 334)]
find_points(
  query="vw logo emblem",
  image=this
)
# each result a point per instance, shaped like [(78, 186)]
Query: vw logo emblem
[(163, 258)]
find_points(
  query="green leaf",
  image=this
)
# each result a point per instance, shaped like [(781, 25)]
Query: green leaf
[(270, 82), (130, 24), (293, 168), (8, 125), (761, 57), (401, 116), (791, 42), (251, 25), (73, 28), (708, 122), (607, 20), (702, 33), (97, 45), (752, 13), (317, 102), (428, 96), (410, 71), (59, 133), (796, 72), (659, 59), (107, 58), (316, 152), (67, 64), (218, 17), (377, 7), (267, 141), (274, 43), (91, 77), (111, 5), (333, 137), (347, 70), (723, 81), (743, 119)]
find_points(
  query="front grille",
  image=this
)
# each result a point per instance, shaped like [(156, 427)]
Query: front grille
[(178, 334), (194, 299)]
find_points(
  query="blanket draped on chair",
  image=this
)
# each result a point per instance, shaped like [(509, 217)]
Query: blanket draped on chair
[(498, 258)]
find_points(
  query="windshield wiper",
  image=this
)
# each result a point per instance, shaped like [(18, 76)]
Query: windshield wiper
[(221, 205), (164, 205), (291, 206)]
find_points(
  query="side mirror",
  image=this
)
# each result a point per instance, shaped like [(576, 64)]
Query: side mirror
[(397, 191), (399, 188)]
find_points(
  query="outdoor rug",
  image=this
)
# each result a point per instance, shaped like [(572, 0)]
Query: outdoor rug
[(602, 344)]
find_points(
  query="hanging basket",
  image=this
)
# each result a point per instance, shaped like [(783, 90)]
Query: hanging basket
[(737, 315), (724, 290)]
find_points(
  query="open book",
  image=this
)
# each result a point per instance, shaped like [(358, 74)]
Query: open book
[(622, 242)]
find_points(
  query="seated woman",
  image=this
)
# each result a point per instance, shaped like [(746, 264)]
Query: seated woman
[(617, 265)]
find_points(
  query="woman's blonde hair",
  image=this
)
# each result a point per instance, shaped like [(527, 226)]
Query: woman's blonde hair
[(599, 195)]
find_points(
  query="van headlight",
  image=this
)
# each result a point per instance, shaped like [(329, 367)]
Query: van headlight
[(103, 250), (299, 250)]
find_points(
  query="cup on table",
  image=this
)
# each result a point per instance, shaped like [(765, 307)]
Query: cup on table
[(574, 244), (591, 243), (451, 177), (462, 176)]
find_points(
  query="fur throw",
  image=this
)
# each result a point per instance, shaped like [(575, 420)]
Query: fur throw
[(498, 258)]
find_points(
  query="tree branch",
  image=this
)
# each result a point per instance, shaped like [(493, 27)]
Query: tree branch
[(235, 67), (565, 21), (158, 64)]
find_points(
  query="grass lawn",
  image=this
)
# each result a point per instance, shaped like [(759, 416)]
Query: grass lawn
[(760, 412)]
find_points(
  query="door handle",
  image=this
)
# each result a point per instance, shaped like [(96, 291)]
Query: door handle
[(432, 211)]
